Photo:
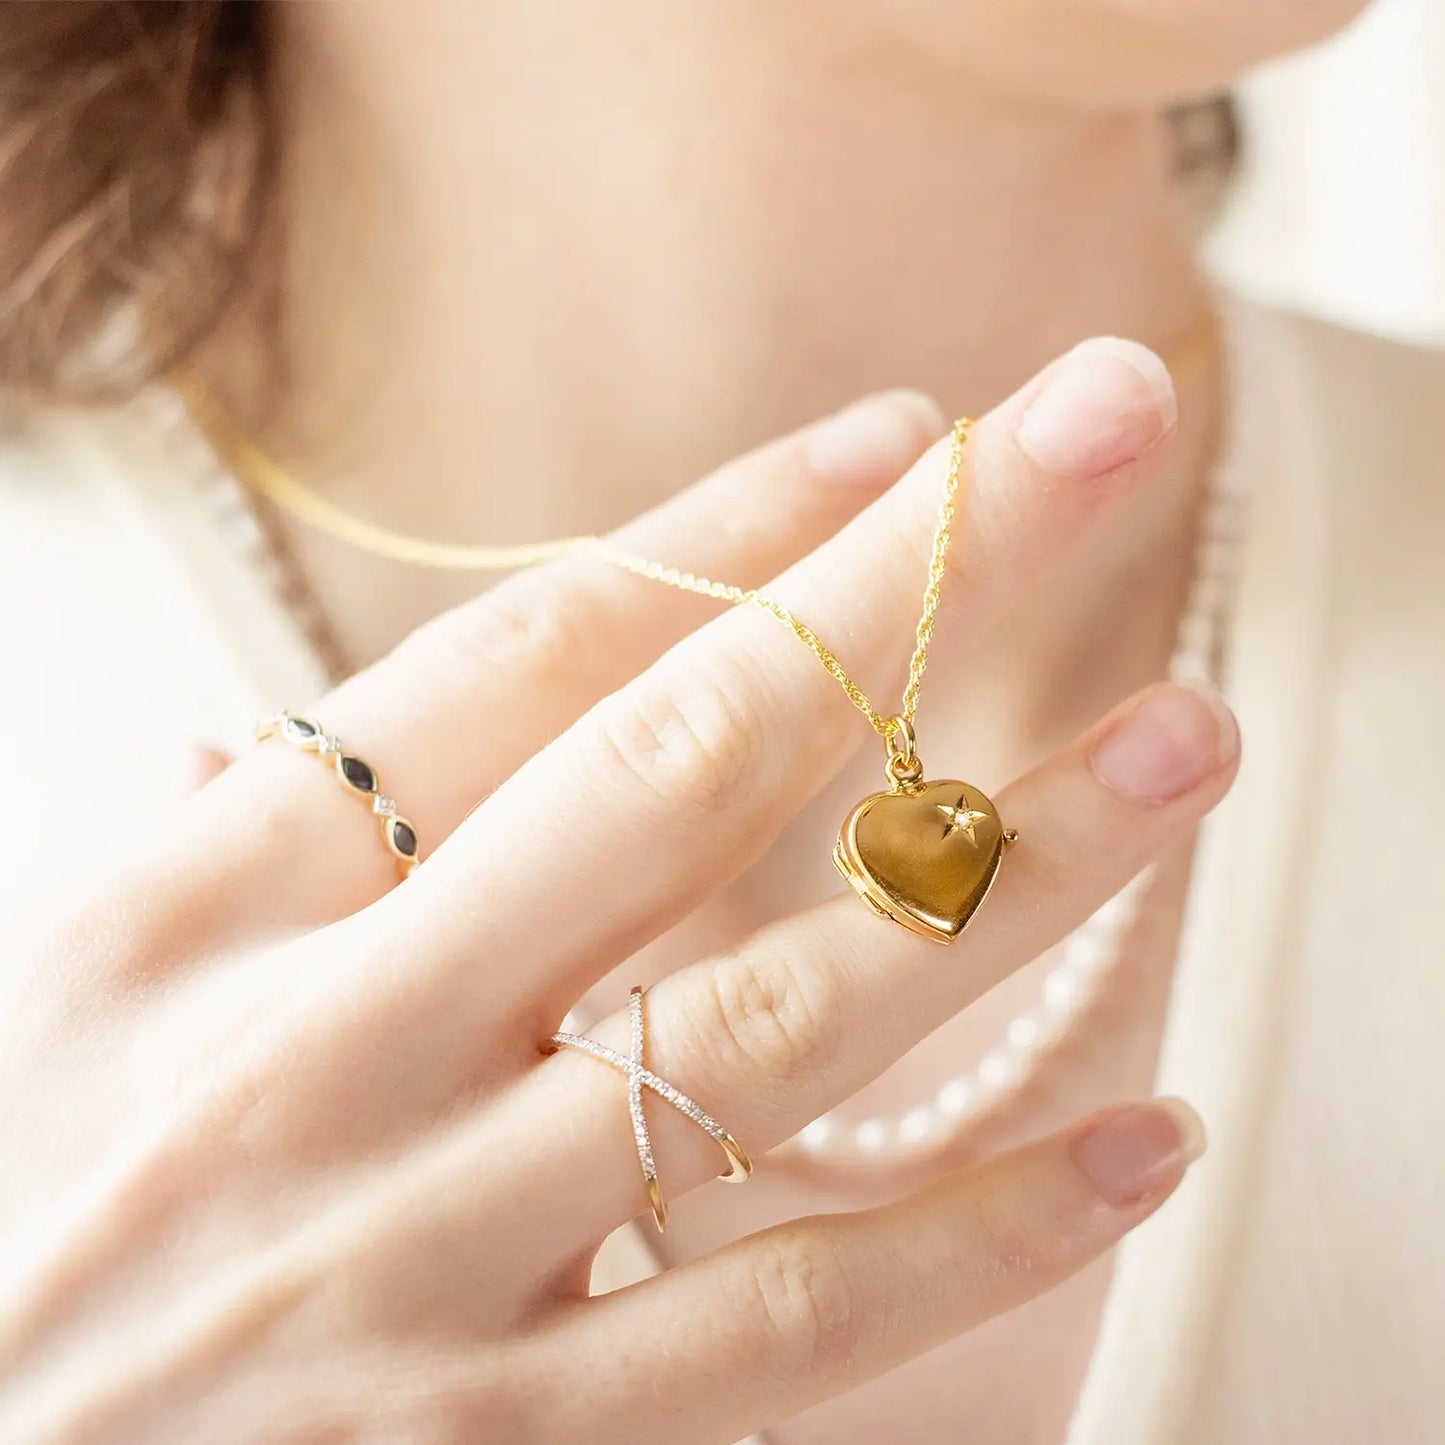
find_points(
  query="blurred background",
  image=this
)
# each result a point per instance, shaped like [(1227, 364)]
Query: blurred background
[(1339, 205)]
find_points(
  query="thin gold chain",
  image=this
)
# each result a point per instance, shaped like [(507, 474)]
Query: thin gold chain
[(264, 476), (885, 726)]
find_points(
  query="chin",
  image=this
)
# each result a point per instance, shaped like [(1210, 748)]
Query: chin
[(1232, 34), (1124, 52)]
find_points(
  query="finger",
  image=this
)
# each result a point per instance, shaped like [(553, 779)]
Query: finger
[(200, 764), (681, 779), (808, 1010), (461, 703), (797, 1018), (762, 1329)]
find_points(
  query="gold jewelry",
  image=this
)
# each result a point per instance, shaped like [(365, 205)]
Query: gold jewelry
[(923, 854), (901, 850), (898, 849), (639, 1077), (356, 777), (906, 862)]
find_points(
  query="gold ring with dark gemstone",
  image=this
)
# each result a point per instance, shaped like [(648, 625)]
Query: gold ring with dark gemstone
[(356, 775)]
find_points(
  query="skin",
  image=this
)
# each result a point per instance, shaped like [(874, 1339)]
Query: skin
[(295, 1167), (284, 1150)]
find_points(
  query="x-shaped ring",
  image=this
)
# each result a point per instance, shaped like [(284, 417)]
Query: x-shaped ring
[(640, 1077)]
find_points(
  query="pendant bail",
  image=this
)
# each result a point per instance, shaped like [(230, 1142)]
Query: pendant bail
[(903, 768)]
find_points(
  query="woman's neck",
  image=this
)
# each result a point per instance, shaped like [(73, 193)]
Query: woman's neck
[(535, 278)]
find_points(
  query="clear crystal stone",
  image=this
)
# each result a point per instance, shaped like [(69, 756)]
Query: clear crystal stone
[(383, 806)]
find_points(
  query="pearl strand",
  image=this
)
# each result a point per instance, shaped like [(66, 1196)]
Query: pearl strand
[(1091, 953)]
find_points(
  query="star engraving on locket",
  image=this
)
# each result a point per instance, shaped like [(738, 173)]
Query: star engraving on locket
[(960, 818)]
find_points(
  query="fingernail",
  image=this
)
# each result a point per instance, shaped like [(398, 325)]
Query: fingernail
[(872, 441), (1139, 1150), (1102, 405), (1170, 741)]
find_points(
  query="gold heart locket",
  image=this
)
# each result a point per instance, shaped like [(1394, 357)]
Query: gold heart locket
[(923, 854)]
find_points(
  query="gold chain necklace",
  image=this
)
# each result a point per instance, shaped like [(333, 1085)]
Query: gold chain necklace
[(924, 854)]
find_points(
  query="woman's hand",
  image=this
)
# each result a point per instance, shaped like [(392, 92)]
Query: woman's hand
[(285, 1161)]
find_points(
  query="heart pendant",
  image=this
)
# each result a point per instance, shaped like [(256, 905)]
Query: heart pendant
[(923, 854)]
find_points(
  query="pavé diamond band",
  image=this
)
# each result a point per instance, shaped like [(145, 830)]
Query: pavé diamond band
[(640, 1078)]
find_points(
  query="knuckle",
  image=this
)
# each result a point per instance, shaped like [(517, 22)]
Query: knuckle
[(799, 1293), (523, 623), (993, 473), (518, 628), (489, 1403), (912, 523), (1004, 1248), (686, 738), (768, 1016), (912, 540)]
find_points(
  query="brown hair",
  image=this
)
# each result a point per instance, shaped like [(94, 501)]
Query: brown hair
[(133, 162)]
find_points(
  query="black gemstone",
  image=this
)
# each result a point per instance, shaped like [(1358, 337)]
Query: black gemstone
[(300, 729), (403, 837), (358, 774)]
